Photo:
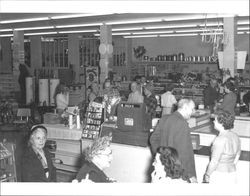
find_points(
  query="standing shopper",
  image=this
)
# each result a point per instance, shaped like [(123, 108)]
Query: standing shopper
[(225, 152), (168, 100), (61, 98), (174, 131), (37, 165), (229, 100), (135, 96), (150, 100), (211, 95)]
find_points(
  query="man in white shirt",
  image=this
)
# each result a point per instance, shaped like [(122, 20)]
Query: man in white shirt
[(135, 96), (168, 100)]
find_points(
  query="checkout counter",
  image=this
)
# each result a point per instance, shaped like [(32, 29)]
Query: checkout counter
[(131, 153)]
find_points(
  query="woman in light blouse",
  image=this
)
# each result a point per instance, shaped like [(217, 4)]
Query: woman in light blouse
[(226, 149)]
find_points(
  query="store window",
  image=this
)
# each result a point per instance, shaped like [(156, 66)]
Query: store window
[(55, 52), (89, 53)]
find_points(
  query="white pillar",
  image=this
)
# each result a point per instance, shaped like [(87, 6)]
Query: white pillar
[(230, 32), (106, 51)]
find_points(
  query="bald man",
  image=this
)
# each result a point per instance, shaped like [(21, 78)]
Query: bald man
[(135, 96), (174, 131)]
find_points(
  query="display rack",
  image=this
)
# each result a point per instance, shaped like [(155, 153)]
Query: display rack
[(94, 119), (7, 163)]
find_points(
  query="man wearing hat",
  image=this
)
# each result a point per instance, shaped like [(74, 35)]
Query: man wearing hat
[(150, 100)]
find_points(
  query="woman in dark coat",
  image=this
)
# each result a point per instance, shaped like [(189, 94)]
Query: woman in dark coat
[(97, 157), (37, 165)]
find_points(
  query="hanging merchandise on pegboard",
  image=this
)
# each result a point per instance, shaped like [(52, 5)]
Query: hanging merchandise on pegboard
[(92, 75)]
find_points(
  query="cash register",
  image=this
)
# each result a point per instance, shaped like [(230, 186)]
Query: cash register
[(132, 125)]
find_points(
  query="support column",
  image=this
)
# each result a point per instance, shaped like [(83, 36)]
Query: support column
[(230, 32), (106, 50), (18, 55)]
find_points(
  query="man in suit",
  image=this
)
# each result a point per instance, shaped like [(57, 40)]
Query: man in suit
[(173, 131)]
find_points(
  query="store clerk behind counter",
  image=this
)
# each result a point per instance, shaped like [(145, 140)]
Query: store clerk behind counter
[(61, 98)]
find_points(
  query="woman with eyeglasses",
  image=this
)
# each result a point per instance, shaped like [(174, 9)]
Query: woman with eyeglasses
[(97, 157), (37, 165), (226, 149)]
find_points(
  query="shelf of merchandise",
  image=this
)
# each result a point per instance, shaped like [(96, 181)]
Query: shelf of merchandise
[(193, 93)]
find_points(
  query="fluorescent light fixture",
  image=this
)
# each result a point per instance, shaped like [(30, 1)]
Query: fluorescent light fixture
[(197, 30), (133, 21), (123, 33), (243, 22), (83, 31), (211, 24), (170, 26), (41, 33), (6, 35), (243, 32), (5, 30), (152, 32), (69, 16), (78, 15), (215, 33), (138, 36), (128, 29), (243, 28), (33, 28), (23, 20), (79, 25), (196, 16), (179, 35)]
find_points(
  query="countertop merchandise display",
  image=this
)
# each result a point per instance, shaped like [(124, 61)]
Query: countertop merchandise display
[(94, 119)]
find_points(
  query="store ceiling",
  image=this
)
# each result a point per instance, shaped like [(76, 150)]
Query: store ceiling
[(123, 24)]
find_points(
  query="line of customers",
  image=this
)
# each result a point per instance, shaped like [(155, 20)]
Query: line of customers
[(171, 148)]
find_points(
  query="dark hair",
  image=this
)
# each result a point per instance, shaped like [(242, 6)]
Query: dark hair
[(172, 165), (230, 85), (60, 88), (226, 119), (169, 87)]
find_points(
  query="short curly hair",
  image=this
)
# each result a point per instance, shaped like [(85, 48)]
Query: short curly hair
[(172, 165), (229, 85), (98, 145), (226, 119)]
